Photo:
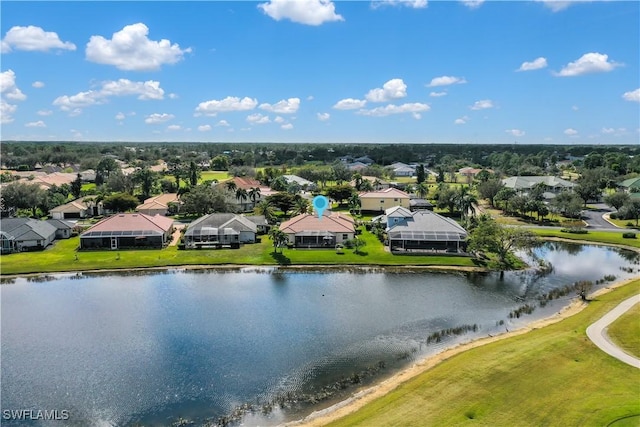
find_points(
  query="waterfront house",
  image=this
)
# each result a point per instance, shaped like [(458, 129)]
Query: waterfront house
[(25, 234), (63, 228), (378, 201), (220, 229), (128, 230), (422, 230), (310, 231)]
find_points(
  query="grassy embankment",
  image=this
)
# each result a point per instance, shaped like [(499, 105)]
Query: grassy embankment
[(625, 331), (551, 376), (608, 237), (62, 257)]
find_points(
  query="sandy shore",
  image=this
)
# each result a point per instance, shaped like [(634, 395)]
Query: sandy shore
[(363, 397)]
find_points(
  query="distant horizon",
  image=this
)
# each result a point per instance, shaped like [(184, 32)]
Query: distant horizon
[(307, 71)]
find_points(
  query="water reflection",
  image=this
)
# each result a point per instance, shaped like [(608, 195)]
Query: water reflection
[(264, 344)]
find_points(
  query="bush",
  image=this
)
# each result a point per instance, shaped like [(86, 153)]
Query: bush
[(574, 230), (628, 235)]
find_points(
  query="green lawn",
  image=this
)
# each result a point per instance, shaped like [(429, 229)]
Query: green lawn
[(62, 257), (211, 175), (592, 236), (552, 376), (625, 331)]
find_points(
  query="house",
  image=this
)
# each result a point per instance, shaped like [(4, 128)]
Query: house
[(418, 204), (129, 230), (63, 228), (56, 178), (356, 166), (469, 173), (364, 159), (422, 230), (631, 185), (310, 231), (305, 184), (220, 229), (402, 169), (158, 205), (247, 184), (376, 183), (24, 234), (83, 207), (378, 201), (261, 222), (553, 185)]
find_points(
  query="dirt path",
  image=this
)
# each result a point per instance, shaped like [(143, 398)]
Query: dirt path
[(597, 332)]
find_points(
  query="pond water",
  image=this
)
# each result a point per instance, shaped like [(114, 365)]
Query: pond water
[(269, 345)]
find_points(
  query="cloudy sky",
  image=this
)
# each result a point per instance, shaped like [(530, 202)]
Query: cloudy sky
[(316, 70)]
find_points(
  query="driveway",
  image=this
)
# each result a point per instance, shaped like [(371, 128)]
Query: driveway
[(597, 332), (594, 217)]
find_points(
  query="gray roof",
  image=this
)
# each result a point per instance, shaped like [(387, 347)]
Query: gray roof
[(221, 221), (23, 229), (528, 182), (60, 224), (427, 225), (420, 202), (257, 219)]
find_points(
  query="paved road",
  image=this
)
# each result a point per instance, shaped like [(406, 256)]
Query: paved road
[(597, 332), (594, 218)]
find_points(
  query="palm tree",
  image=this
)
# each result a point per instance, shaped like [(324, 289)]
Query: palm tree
[(265, 209), (301, 206), (279, 239), (422, 190), (231, 186), (466, 202), (241, 195), (354, 203), (254, 193)]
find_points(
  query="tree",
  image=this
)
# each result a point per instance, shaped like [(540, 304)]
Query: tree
[(420, 174), (354, 204), (220, 163), (505, 194), (440, 177), (283, 201), (104, 169), (117, 182), (146, 178), (340, 172), (279, 184), (231, 186), (254, 193), (202, 200), (495, 238), (300, 206), (631, 210), (447, 198), (568, 204), (616, 200), (279, 239), (422, 190), (265, 209), (76, 186), (357, 244), (194, 173), (241, 195), (489, 189), (120, 202), (466, 202), (340, 193)]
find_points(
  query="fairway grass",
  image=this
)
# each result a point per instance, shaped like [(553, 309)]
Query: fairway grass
[(607, 237), (63, 257), (553, 376), (625, 331)]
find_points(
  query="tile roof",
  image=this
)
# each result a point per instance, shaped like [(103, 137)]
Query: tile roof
[(332, 222), (246, 182), (385, 194), (133, 221), (158, 202)]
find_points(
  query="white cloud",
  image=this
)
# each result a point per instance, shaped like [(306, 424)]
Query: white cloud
[(559, 5), (592, 62), (570, 132), (415, 4), (120, 116), (536, 64), (173, 96), (446, 81), (156, 118), (75, 112), (79, 100), (575, 107), (288, 126), (204, 128), (472, 4), (258, 119), (174, 127), (230, 103), (414, 107), (308, 12), (286, 106), (222, 123), (393, 89), (633, 95), (310, 98), (38, 124), (130, 49), (349, 104), (145, 90), (323, 117), (462, 120), (482, 104), (608, 130), (515, 132), (8, 88), (45, 112), (279, 119), (416, 116), (37, 85), (438, 94), (6, 111), (33, 39)]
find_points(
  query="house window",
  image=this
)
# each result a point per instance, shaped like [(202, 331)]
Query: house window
[(382, 201), (395, 200), (345, 237)]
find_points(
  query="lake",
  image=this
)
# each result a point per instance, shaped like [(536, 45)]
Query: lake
[(261, 344)]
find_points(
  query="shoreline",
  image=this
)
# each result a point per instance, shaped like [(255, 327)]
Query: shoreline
[(365, 396)]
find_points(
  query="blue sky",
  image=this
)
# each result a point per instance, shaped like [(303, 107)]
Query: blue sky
[(322, 71)]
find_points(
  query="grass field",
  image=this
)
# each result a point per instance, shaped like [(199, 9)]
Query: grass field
[(625, 331), (554, 376), (62, 257), (592, 236)]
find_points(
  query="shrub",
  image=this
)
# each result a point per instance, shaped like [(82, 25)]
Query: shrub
[(628, 235), (574, 230)]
